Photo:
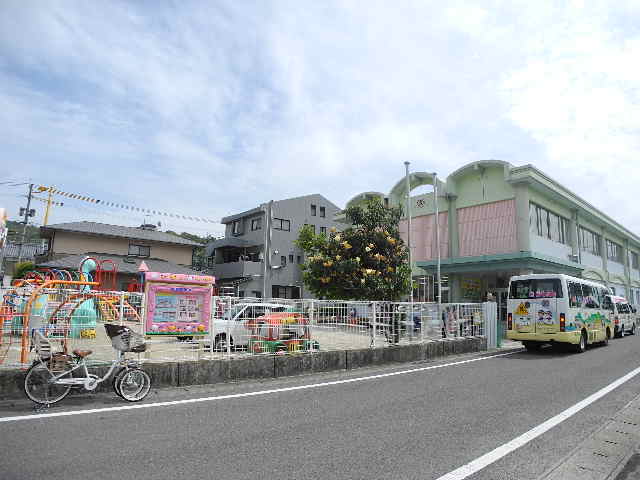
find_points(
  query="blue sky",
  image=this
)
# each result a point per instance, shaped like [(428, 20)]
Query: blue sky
[(210, 108)]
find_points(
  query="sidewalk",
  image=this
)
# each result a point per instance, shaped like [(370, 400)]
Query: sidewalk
[(610, 453)]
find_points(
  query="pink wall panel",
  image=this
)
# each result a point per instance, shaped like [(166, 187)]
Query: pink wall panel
[(488, 229), (423, 236)]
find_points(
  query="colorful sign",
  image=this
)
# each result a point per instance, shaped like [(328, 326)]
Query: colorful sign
[(177, 304)]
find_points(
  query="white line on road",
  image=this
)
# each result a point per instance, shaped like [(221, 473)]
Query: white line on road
[(246, 394), (503, 450)]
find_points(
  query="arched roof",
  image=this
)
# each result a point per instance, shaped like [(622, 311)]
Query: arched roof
[(479, 164), (592, 275), (416, 179)]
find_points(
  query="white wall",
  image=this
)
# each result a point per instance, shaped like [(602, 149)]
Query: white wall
[(615, 268), (591, 260), (551, 248)]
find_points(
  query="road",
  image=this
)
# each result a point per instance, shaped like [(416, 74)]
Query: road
[(421, 424)]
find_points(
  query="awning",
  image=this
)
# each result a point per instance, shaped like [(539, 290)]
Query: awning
[(504, 261)]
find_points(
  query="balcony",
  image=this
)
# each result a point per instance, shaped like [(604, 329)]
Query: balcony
[(239, 269)]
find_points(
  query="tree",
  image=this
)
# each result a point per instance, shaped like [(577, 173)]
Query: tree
[(366, 261), (198, 260), (20, 269)]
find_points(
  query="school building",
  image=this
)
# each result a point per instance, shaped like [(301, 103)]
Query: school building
[(497, 220)]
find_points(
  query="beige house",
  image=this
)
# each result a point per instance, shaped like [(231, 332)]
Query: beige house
[(127, 247)]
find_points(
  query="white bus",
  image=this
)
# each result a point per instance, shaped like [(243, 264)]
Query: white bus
[(549, 308)]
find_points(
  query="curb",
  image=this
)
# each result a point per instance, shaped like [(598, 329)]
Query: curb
[(607, 451), (206, 372)]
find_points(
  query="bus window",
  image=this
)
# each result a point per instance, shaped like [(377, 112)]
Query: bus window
[(607, 304), (521, 289), (590, 296), (536, 288), (548, 288), (602, 296), (575, 294)]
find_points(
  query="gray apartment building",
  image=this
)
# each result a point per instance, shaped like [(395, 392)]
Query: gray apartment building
[(257, 256)]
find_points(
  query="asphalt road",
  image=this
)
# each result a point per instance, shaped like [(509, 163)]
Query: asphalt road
[(415, 425)]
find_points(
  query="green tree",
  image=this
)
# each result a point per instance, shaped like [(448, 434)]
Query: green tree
[(366, 261), (21, 268)]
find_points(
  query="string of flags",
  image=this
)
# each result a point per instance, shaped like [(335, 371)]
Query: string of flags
[(85, 198), (44, 200)]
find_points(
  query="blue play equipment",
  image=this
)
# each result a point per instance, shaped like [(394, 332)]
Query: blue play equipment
[(83, 310)]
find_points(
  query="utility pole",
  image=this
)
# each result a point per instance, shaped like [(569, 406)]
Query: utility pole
[(435, 198), (45, 222), (266, 260), (406, 165), (27, 213)]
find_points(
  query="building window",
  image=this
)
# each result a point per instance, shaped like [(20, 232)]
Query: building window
[(236, 227), (614, 252), (291, 258), (313, 210), (139, 250), (590, 242), (256, 294), (256, 224), (323, 212), (323, 230), (299, 259), (633, 260), (281, 224), (548, 225), (283, 261)]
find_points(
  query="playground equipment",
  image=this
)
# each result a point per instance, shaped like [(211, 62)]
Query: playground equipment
[(62, 304)]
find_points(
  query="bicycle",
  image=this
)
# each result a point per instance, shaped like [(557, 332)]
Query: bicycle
[(51, 376)]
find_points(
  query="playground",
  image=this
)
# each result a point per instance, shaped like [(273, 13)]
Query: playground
[(183, 320)]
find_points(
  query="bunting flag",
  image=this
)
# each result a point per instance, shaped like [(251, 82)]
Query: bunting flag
[(84, 198), (44, 200)]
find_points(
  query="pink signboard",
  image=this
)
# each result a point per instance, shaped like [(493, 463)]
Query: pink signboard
[(177, 304)]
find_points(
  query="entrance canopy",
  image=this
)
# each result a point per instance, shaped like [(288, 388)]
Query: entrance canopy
[(505, 261)]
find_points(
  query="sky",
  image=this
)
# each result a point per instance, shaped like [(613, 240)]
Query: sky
[(209, 108)]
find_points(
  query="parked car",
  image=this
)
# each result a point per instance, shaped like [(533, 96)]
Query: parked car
[(262, 327), (622, 315)]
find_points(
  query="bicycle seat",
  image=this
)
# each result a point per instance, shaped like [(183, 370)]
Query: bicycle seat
[(82, 353)]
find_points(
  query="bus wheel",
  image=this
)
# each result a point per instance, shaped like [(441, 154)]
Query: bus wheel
[(582, 345)]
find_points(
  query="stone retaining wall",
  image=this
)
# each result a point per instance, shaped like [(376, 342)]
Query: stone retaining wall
[(203, 372)]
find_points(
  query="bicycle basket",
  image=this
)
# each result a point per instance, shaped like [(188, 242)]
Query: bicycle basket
[(59, 362), (123, 339)]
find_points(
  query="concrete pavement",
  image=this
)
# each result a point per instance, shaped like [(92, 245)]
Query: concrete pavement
[(420, 424)]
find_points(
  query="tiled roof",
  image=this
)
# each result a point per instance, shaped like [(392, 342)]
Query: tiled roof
[(118, 231), (123, 263)]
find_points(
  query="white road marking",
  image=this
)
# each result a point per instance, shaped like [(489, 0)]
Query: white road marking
[(246, 394), (503, 450)]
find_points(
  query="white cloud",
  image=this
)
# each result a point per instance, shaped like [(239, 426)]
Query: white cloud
[(209, 109)]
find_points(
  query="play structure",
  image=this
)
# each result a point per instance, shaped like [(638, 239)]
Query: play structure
[(280, 332), (62, 304)]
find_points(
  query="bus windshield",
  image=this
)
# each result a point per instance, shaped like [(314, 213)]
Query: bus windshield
[(536, 288)]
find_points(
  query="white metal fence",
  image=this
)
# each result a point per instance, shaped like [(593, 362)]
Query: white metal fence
[(238, 326)]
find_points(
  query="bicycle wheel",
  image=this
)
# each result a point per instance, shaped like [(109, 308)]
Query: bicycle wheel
[(133, 384), (38, 386), (114, 383)]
